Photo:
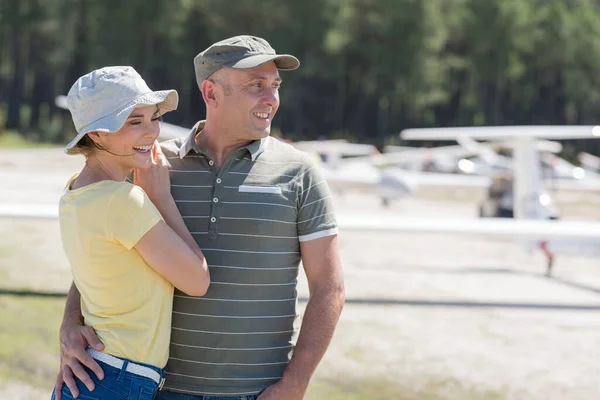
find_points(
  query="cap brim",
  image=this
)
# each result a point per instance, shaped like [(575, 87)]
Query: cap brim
[(167, 100), (284, 62)]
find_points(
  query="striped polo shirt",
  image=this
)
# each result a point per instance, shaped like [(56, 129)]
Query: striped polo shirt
[(249, 219)]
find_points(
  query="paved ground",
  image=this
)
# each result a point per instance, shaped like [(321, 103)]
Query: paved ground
[(431, 316)]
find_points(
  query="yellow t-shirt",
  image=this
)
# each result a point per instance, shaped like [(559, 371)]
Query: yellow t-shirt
[(127, 303)]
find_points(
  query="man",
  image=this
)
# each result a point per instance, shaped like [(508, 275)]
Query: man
[(256, 207)]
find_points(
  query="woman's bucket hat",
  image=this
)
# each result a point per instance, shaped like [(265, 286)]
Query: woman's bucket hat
[(103, 99)]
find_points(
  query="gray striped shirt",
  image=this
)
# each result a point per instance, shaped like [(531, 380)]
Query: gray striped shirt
[(249, 219)]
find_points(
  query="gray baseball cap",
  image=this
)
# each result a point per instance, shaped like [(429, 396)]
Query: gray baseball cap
[(240, 52), (103, 99)]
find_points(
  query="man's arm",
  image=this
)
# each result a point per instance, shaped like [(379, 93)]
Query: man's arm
[(74, 339), (323, 268)]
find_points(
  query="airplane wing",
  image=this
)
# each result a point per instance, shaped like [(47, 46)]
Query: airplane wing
[(540, 145), (526, 166), (493, 227), (589, 161), (341, 147), (417, 154), (486, 154), (504, 132)]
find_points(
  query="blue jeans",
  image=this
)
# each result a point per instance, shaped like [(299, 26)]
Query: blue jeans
[(117, 384), (166, 395)]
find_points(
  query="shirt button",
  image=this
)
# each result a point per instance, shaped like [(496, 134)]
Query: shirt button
[(215, 200), (211, 162), (213, 219), (218, 180)]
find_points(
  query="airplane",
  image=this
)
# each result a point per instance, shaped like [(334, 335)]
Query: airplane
[(487, 159), (526, 164), (468, 165), (527, 225), (589, 162), (349, 167), (528, 196)]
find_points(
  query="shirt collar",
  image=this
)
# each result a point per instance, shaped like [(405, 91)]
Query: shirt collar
[(190, 143), (255, 148)]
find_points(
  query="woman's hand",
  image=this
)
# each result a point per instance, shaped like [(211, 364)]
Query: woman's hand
[(155, 179)]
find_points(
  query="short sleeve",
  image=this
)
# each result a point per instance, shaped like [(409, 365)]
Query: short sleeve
[(316, 217), (130, 215)]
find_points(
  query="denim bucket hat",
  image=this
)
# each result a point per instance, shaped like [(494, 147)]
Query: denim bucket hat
[(103, 99)]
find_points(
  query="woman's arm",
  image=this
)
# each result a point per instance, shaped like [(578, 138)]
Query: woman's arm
[(169, 255), (168, 247)]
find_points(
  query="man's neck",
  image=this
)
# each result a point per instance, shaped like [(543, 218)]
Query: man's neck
[(218, 144)]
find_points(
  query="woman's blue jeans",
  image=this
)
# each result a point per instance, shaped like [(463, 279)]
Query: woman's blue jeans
[(117, 384)]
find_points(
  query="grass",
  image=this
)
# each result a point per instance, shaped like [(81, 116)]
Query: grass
[(29, 349), (14, 140), (29, 356)]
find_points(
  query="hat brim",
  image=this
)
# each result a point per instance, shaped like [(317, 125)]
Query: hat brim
[(166, 100), (284, 62)]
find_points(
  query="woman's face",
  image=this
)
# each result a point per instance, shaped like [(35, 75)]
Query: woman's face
[(132, 144)]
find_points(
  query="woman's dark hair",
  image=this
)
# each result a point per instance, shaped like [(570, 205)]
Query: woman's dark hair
[(85, 146)]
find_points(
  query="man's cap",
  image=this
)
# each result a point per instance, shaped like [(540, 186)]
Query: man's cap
[(103, 99), (240, 52)]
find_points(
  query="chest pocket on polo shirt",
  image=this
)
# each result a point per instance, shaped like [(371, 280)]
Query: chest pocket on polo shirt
[(259, 189), (264, 210)]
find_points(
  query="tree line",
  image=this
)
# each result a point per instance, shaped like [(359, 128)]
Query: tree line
[(369, 67)]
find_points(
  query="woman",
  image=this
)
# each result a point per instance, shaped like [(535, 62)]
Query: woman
[(127, 243)]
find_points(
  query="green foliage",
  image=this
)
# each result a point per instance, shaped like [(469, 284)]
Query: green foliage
[(29, 337), (369, 67)]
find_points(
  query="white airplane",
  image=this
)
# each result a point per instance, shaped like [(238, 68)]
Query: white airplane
[(528, 196), (589, 162), (350, 167), (392, 174), (402, 171), (447, 158), (527, 225), (470, 165), (557, 173)]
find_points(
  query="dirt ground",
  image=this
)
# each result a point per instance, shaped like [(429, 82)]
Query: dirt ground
[(427, 316)]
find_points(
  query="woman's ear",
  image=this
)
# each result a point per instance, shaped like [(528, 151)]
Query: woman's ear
[(96, 137)]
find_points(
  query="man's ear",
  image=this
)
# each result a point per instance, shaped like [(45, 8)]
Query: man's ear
[(209, 93)]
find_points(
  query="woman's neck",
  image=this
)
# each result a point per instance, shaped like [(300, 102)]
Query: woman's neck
[(98, 169)]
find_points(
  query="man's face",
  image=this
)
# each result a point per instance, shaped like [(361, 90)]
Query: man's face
[(250, 99)]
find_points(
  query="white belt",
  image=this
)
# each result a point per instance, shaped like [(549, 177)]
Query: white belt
[(131, 366)]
